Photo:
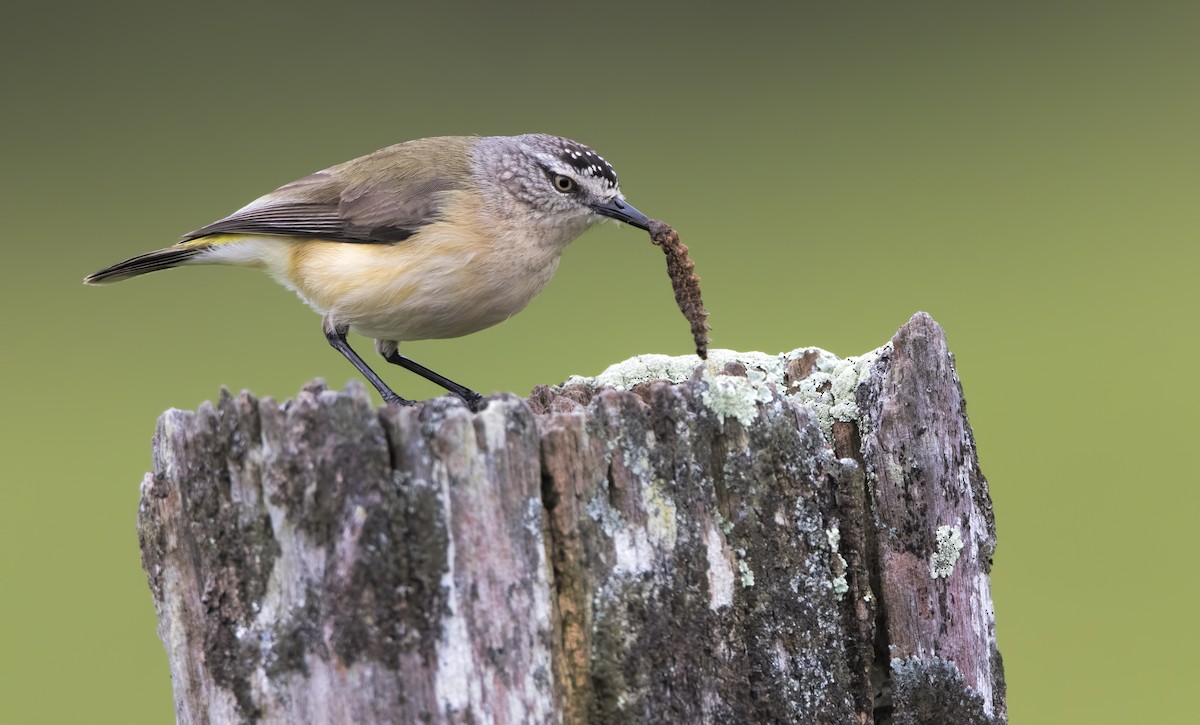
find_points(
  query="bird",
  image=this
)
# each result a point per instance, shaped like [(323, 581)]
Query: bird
[(432, 238)]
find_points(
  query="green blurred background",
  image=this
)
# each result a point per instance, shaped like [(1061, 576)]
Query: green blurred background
[(1026, 172)]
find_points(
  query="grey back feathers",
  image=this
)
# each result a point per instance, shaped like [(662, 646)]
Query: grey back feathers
[(379, 198), (387, 196)]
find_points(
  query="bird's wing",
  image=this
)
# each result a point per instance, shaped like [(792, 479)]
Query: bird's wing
[(380, 198)]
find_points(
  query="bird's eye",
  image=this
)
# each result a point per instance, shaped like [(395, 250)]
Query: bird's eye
[(565, 184)]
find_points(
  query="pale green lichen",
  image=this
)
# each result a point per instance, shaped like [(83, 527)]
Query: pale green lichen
[(829, 390), (845, 381), (746, 572), (725, 526), (648, 368), (949, 547), (661, 522), (840, 586), (732, 396), (835, 537)]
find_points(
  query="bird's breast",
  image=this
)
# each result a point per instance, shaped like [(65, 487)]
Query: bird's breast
[(445, 281)]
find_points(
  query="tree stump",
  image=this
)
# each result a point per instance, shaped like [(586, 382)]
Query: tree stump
[(769, 538)]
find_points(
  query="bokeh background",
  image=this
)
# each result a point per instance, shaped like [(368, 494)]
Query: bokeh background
[(1027, 172)]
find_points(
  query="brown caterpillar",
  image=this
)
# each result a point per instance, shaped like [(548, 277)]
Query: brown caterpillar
[(684, 281)]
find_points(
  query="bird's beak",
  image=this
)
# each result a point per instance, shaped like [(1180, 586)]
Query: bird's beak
[(622, 211)]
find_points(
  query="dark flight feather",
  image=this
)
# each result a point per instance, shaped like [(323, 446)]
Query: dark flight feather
[(143, 263)]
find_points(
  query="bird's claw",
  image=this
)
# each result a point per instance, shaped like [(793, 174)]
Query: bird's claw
[(475, 402), (393, 399)]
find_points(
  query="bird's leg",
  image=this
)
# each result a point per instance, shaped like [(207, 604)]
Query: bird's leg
[(390, 352), (336, 334)]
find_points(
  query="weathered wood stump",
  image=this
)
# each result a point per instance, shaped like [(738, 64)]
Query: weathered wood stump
[(772, 538)]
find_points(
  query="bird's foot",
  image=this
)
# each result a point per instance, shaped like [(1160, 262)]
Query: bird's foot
[(474, 401), (392, 399)]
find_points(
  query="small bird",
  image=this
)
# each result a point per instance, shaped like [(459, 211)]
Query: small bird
[(427, 239)]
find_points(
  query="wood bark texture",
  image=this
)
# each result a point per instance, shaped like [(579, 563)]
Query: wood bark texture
[(784, 538)]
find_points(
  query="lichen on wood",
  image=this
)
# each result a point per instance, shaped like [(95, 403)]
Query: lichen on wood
[(751, 539)]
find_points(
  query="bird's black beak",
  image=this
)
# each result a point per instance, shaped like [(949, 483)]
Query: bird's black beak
[(622, 212)]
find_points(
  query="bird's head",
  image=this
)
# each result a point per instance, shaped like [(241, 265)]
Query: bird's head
[(554, 180)]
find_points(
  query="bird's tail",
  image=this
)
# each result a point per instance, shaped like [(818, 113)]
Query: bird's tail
[(148, 262)]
